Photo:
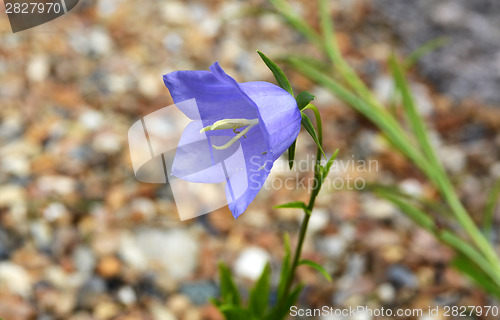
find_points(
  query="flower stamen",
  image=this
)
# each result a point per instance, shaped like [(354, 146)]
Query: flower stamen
[(232, 124)]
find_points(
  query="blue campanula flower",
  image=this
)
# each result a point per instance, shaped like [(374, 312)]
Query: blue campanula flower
[(258, 118)]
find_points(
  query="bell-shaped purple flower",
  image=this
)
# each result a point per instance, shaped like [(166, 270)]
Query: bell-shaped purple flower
[(257, 119)]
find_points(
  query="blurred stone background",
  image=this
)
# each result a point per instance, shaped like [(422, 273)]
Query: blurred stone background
[(81, 238)]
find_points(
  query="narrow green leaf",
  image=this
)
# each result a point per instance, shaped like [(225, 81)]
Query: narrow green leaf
[(278, 74), (294, 296), (410, 61), (285, 266), (423, 50), (293, 204), (290, 301), (303, 99), (435, 170), (320, 64), (306, 122), (331, 48), (469, 267), (216, 302), (317, 116), (319, 129), (286, 11), (316, 266), (491, 205), (229, 291), (232, 312), (426, 204), (446, 236), (329, 163), (291, 154), (421, 218), (415, 119), (259, 295)]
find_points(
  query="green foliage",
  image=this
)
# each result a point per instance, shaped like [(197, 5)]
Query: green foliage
[(229, 292), (259, 295), (257, 307), (468, 253), (285, 265), (279, 313), (476, 274), (476, 257)]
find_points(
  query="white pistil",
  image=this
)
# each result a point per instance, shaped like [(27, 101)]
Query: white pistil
[(232, 124)]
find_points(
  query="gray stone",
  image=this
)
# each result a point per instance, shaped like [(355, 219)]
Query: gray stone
[(467, 67)]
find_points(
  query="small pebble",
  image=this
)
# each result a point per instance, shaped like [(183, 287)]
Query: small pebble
[(251, 262)]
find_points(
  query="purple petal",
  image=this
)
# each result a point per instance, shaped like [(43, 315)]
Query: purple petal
[(214, 99), (278, 111), (248, 182)]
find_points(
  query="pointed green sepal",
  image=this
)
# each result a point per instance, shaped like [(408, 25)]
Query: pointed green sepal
[(291, 154), (303, 99), (278, 74), (306, 122)]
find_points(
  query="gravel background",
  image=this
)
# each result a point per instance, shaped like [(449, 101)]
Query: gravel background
[(469, 66), (81, 238)]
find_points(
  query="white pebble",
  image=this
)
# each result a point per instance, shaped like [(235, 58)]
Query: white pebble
[(412, 187), (15, 279), (251, 262), (127, 295), (175, 250), (378, 208), (318, 221), (91, 119), (38, 68)]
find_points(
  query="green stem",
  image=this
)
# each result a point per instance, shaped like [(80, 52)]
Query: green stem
[(307, 212), (296, 258), (319, 126)]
